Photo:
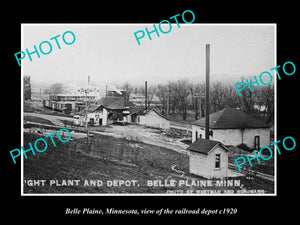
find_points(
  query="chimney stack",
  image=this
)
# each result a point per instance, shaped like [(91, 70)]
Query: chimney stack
[(207, 93)]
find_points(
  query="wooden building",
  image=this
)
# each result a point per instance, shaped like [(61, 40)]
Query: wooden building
[(208, 159), (153, 118)]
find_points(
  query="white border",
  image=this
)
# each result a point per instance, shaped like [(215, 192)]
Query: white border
[(158, 194)]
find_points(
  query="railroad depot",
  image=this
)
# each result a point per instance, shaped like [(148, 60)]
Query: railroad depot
[(233, 127)]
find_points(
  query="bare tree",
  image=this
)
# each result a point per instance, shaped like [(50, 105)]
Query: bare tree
[(247, 97), (266, 100), (218, 95), (232, 100), (181, 91), (161, 92), (128, 88)]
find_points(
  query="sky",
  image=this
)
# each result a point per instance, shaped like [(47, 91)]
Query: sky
[(110, 54)]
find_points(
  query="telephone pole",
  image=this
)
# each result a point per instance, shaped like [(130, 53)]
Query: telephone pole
[(86, 91)]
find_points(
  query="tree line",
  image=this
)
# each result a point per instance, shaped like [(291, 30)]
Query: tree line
[(187, 99)]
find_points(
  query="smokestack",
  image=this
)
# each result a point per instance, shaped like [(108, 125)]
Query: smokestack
[(146, 95), (124, 94), (207, 93)]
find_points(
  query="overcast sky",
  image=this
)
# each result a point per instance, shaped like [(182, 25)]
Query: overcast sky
[(110, 53)]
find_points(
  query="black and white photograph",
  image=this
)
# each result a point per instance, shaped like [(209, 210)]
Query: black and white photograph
[(149, 111), (162, 109)]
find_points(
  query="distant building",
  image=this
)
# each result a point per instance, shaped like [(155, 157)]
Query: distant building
[(74, 101), (233, 127), (27, 88), (208, 159), (139, 100)]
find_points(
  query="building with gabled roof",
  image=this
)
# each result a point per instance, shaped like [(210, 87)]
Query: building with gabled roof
[(94, 115), (153, 118), (233, 127), (208, 158)]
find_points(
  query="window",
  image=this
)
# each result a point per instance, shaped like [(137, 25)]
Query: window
[(196, 135), (218, 161)]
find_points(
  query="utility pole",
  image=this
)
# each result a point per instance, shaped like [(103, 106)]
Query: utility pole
[(146, 96), (86, 121), (168, 95), (87, 90), (207, 92)]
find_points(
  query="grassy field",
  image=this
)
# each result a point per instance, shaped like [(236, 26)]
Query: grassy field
[(110, 158)]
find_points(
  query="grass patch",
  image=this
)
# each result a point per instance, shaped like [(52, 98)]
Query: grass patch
[(109, 158), (37, 119)]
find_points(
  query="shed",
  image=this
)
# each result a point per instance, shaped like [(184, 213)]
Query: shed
[(153, 118), (208, 159), (233, 127)]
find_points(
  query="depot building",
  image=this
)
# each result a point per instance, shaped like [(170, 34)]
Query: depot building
[(233, 127)]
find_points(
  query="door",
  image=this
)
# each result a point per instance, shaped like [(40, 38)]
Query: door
[(92, 121), (256, 142)]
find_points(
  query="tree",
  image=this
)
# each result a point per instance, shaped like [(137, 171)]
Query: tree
[(128, 88), (218, 95), (57, 88), (247, 97), (181, 91), (232, 100), (161, 92), (266, 99)]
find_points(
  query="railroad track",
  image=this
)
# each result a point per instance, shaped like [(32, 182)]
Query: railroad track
[(252, 172)]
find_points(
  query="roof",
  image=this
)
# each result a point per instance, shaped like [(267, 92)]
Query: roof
[(204, 146), (112, 102), (136, 110), (90, 109), (229, 118), (157, 112)]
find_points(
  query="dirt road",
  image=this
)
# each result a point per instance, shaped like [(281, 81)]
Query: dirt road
[(56, 120)]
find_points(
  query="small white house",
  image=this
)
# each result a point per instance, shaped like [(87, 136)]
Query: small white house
[(233, 127), (96, 116), (208, 159), (153, 118)]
